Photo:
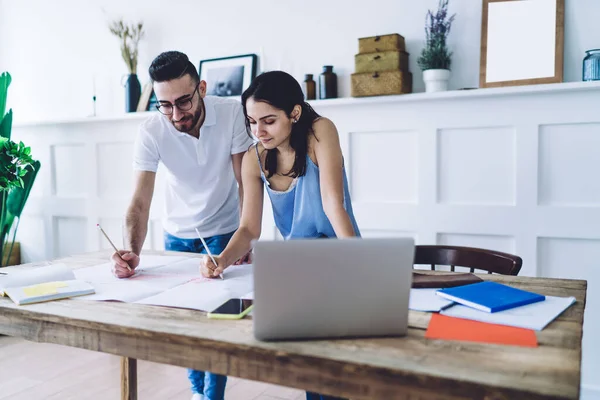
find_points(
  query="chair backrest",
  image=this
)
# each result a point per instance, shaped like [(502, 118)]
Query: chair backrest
[(470, 257)]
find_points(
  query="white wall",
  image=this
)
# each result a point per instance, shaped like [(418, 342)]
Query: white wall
[(54, 49)]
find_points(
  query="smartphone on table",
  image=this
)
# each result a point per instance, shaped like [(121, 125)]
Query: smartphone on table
[(232, 309)]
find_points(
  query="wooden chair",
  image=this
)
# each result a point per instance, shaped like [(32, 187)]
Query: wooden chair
[(470, 257)]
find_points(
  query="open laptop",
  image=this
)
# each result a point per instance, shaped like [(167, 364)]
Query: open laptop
[(332, 288)]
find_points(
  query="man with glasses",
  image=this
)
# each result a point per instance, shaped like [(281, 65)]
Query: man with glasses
[(200, 140)]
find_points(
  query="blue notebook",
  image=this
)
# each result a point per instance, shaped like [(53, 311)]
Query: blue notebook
[(490, 296)]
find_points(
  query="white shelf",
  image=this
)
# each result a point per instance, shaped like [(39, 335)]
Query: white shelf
[(462, 94), (132, 116), (553, 88)]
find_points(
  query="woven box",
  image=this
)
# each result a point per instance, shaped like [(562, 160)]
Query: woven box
[(382, 61), (380, 83), (374, 44)]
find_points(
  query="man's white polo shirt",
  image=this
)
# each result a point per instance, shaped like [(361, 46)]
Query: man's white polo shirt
[(201, 190)]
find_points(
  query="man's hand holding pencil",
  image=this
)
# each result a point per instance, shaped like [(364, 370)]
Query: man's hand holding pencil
[(124, 263)]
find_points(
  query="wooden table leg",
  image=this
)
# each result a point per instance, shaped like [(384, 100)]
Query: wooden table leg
[(128, 378)]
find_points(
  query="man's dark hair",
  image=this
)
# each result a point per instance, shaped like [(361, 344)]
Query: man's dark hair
[(172, 65)]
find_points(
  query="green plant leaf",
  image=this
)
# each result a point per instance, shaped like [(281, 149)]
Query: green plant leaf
[(6, 125), (5, 80)]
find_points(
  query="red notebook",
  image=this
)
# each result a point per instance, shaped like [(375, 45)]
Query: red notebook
[(450, 328)]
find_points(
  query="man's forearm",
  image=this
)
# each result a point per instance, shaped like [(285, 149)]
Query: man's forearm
[(137, 229)]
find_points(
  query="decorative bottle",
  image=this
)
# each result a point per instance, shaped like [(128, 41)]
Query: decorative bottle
[(591, 65), (310, 87), (327, 83)]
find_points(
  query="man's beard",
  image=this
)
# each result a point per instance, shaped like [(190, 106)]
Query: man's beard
[(194, 119)]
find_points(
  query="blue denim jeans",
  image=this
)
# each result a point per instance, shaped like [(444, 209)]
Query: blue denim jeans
[(212, 386)]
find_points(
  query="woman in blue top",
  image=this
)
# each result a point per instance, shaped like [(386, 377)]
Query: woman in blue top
[(299, 158)]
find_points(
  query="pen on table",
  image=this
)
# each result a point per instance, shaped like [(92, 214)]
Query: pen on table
[(112, 244), (208, 251)]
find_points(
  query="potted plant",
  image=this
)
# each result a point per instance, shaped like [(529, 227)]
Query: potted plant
[(435, 58), (17, 174), (130, 36)]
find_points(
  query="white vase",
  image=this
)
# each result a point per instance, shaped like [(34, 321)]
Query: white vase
[(436, 80)]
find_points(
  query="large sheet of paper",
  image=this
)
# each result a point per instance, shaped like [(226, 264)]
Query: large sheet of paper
[(170, 282), (207, 294), (154, 275), (426, 300), (531, 316)]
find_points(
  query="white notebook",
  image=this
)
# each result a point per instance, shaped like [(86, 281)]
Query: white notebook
[(49, 282), (26, 277), (47, 291)]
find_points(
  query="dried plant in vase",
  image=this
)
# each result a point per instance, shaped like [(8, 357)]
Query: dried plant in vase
[(436, 58), (130, 36)]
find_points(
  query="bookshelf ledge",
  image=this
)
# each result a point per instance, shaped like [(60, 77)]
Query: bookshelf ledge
[(462, 94), (553, 88)]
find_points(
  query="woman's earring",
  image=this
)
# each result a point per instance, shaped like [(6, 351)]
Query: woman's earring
[(295, 120)]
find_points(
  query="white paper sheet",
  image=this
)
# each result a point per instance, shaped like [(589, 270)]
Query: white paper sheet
[(150, 268), (206, 294), (531, 316), (151, 261), (125, 291), (427, 300), (176, 284), (154, 275), (48, 273)]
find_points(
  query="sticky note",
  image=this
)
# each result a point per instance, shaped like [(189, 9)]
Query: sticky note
[(43, 289), (450, 328)]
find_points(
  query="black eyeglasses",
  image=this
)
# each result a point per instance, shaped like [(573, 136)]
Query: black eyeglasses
[(183, 105)]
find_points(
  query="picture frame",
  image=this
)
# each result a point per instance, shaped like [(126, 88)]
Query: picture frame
[(228, 76), (516, 52), (144, 102)]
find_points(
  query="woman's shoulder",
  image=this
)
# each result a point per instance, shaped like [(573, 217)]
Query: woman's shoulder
[(253, 155), (323, 126), (324, 131)]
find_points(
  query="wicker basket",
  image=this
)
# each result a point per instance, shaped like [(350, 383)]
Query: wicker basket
[(375, 44), (390, 60), (381, 83)]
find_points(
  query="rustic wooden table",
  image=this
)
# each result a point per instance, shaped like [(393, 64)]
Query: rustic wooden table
[(409, 367)]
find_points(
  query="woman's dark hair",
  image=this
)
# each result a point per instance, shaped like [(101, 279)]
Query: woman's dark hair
[(282, 91), (172, 65)]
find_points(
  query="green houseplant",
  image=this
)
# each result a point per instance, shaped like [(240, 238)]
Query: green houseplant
[(435, 58), (17, 174)]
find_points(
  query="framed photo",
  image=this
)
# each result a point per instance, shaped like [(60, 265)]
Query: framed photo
[(144, 103), (522, 42), (228, 76)]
